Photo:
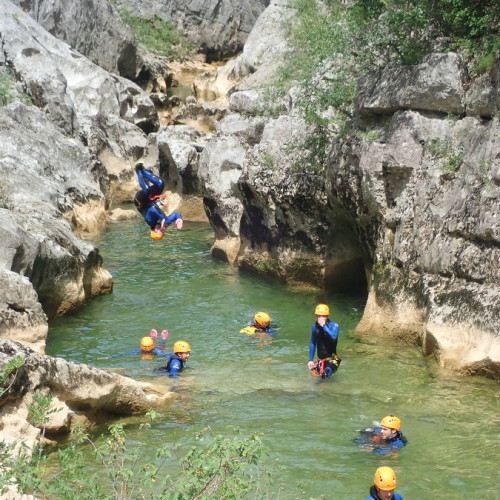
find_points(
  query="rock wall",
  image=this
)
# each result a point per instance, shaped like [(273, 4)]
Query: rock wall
[(81, 394), (407, 209), (217, 29)]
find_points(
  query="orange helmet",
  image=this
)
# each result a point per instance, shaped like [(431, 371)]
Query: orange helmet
[(262, 319), (147, 344), (322, 310), (385, 478), (392, 422), (181, 346), (156, 236)]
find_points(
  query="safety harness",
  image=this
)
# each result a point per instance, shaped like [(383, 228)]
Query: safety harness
[(326, 367)]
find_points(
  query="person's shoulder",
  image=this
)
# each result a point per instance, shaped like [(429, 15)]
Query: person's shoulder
[(396, 496)]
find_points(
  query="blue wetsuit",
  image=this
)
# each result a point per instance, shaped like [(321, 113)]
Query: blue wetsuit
[(374, 495), (381, 447), (157, 351), (324, 341), (151, 187), (268, 329), (174, 366)]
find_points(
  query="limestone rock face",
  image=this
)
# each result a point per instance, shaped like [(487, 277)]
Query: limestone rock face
[(261, 58), (409, 214), (217, 29), (108, 113), (42, 191), (78, 390), (92, 28)]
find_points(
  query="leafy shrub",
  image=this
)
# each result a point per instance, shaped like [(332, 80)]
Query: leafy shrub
[(156, 35)]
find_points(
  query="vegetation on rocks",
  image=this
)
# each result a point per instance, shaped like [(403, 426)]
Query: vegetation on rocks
[(156, 35), (333, 44)]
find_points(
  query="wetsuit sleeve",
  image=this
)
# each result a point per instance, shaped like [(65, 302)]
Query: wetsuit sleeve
[(175, 368), (133, 351), (312, 343), (157, 351), (332, 329), (271, 331), (172, 217)]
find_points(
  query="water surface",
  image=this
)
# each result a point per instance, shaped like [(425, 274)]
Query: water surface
[(263, 385)]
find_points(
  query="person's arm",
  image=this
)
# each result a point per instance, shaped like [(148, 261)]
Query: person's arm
[(271, 331), (175, 368), (172, 218), (332, 329), (312, 348), (137, 350), (158, 351)]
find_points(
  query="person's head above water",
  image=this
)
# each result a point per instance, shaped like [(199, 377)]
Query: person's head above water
[(147, 344), (385, 482), (322, 310), (262, 319), (390, 426), (182, 349)]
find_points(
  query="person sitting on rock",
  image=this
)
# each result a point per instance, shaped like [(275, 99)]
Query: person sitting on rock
[(148, 202), (385, 439), (261, 324)]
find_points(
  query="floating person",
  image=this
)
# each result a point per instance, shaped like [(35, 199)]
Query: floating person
[(147, 347), (385, 439), (324, 337), (177, 360), (384, 485), (149, 201), (261, 324)]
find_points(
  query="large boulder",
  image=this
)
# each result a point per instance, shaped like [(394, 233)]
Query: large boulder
[(46, 195), (79, 392), (92, 28)]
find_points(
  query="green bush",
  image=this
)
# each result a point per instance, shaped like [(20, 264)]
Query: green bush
[(217, 467), (156, 35)]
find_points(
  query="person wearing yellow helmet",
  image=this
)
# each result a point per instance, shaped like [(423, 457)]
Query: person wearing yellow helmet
[(324, 337), (383, 439), (384, 485), (261, 324), (177, 360), (149, 202), (147, 347)]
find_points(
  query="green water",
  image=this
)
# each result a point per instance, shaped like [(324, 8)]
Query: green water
[(235, 380)]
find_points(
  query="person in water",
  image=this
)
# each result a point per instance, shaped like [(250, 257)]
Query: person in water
[(261, 324), (385, 439), (148, 202), (384, 485), (324, 337), (177, 360), (147, 347)]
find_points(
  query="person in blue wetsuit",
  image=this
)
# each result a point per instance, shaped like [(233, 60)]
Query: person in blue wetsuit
[(324, 337), (384, 485), (383, 440), (176, 361), (147, 349), (148, 202), (261, 324)]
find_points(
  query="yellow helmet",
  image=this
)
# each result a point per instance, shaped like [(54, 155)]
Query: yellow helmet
[(156, 236), (392, 422), (147, 344), (262, 319), (181, 346), (385, 478), (322, 310)]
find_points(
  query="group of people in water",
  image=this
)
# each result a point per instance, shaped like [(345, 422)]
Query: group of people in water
[(386, 438)]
